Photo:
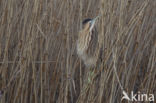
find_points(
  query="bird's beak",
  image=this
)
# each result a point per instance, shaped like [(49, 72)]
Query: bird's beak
[(96, 18), (93, 22)]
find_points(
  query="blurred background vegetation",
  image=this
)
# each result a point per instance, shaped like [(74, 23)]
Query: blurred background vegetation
[(38, 61)]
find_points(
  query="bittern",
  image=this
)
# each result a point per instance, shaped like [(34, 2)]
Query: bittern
[(87, 42)]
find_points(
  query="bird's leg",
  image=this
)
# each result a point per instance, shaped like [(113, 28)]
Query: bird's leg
[(91, 75)]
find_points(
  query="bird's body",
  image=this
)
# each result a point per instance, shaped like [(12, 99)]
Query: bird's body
[(87, 43)]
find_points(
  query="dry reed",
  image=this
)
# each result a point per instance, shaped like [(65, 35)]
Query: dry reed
[(38, 61)]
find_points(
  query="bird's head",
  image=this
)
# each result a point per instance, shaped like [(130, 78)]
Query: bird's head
[(89, 23)]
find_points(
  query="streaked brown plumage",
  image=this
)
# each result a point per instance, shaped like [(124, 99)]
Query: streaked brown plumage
[(87, 43)]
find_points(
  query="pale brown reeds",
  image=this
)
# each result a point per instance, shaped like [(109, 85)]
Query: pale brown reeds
[(38, 61)]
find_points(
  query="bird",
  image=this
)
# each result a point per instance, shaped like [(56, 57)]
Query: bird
[(87, 42)]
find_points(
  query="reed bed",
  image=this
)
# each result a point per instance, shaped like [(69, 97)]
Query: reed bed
[(38, 60)]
